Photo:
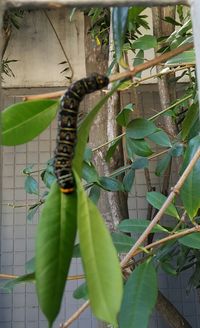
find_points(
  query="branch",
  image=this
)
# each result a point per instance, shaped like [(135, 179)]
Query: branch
[(36, 4), (124, 75), (162, 210)]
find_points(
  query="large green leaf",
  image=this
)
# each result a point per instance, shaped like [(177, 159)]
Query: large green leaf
[(190, 192), (122, 242), (140, 128), (184, 57), (163, 164), (138, 225), (156, 199), (160, 138), (110, 184), (123, 117), (24, 121), (137, 147), (119, 21), (191, 241), (140, 296), (189, 120), (101, 265), (54, 247), (84, 129), (145, 42)]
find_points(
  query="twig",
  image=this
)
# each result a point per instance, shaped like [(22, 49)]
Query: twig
[(75, 315), (10, 276), (124, 75), (162, 210)]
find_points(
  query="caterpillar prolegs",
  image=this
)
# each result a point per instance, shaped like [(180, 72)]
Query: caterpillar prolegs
[(67, 128)]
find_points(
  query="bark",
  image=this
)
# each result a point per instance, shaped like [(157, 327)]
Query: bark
[(166, 90), (113, 205), (172, 316)]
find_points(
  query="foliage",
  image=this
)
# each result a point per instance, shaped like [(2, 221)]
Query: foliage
[(63, 216)]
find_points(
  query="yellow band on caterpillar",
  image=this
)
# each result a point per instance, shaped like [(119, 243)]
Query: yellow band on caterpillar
[(67, 190)]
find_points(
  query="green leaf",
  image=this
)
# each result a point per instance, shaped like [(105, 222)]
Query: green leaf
[(145, 42), (31, 185), (137, 147), (138, 225), (128, 180), (119, 21), (138, 60), (54, 247), (168, 268), (32, 211), (112, 149), (123, 243), (184, 57), (97, 250), (110, 184), (123, 117), (191, 241), (87, 155), (95, 193), (190, 191), (189, 120), (156, 199), (140, 296), (89, 172), (48, 179), (23, 122), (30, 265), (84, 129), (162, 165), (81, 292), (140, 128), (140, 163), (160, 138), (177, 150), (9, 285)]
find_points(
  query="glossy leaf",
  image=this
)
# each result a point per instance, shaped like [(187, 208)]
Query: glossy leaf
[(9, 285), (23, 122), (140, 163), (32, 210), (138, 60), (137, 147), (84, 129), (31, 185), (98, 253), (140, 128), (162, 164), (123, 117), (128, 180), (156, 199), (140, 296), (119, 22), (184, 57), (189, 120), (138, 225), (95, 193), (81, 292), (191, 241), (30, 265), (190, 192), (122, 242), (110, 184), (112, 149), (160, 138), (145, 42), (54, 247), (89, 172)]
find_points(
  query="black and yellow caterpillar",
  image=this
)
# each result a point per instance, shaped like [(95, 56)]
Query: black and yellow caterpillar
[(67, 128)]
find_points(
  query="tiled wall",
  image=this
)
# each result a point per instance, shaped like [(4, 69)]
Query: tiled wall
[(19, 309)]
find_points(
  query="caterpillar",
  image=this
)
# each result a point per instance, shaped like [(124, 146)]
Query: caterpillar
[(67, 128)]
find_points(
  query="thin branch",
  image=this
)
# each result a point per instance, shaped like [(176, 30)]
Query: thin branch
[(124, 75), (75, 315), (162, 210), (36, 4), (11, 276)]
